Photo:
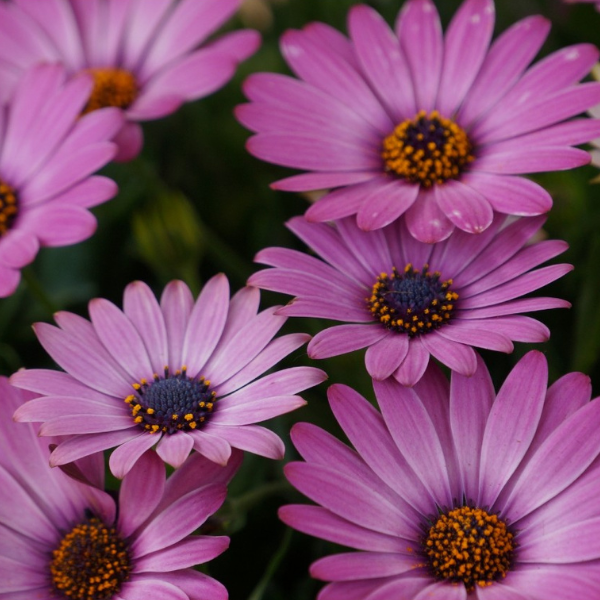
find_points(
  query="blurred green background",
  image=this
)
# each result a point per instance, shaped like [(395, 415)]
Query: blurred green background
[(196, 203)]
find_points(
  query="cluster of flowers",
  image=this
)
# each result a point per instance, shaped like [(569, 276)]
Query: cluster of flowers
[(454, 491)]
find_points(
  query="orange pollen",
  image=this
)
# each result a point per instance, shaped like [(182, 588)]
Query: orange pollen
[(9, 207), (112, 87), (90, 563), (428, 149), (470, 546)]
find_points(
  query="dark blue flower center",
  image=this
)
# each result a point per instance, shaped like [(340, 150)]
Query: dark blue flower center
[(171, 403), (9, 207), (412, 302)]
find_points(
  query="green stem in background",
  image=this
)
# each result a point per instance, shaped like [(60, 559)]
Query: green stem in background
[(225, 255), (37, 290), (272, 567), (246, 501)]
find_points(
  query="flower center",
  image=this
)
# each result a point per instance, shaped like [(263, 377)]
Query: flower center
[(171, 403), (412, 302), (469, 545), (9, 207), (428, 149), (90, 563), (112, 87)]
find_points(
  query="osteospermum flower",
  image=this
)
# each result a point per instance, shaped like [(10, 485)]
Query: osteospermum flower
[(64, 539), (412, 122), (145, 57), (455, 492), (405, 300), (47, 157), (177, 375)]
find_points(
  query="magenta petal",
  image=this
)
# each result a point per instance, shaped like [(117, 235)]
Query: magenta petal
[(367, 431), (342, 339), (176, 304), (142, 309), (414, 365), (559, 461), (355, 502), (196, 585), (211, 446), (175, 448), (454, 355), (469, 35), (510, 195), (507, 58), (471, 400), (122, 340), (378, 52), (190, 552), (142, 589), (18, 248), (415, 435), (385, 356), (206, 323), (129, 141), (84, 445), (319, 181), (126, 455), (472, 334), (342, 202), (464, 206), (62, 224), (319, 522), (511, 425), (312, 151), (577, 543), (141, 491), (386, 204), (426, 221), (254, 439), (179, 520), (362, 565), (420, 33), (331, 73), (532, 160)]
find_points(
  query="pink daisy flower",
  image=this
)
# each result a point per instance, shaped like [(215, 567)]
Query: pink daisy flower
[(176, 375), (456, 492), (405, 300), (60, 538), (144, 55), (412, 122), (47, 157)]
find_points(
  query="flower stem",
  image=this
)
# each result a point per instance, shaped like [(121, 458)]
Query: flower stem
[(272, 567)]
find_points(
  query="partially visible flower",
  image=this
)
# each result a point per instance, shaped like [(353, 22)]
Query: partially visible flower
[(145, 56), (405, 300), (60, 538), (48, 154), (435, 127), (456, 492), (177, 375)]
